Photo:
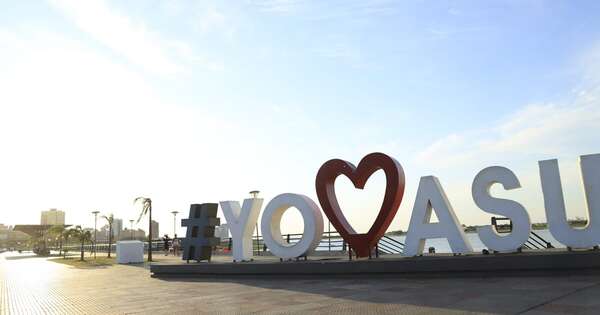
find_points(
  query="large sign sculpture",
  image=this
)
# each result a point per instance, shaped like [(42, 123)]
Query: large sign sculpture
[(430, 197)]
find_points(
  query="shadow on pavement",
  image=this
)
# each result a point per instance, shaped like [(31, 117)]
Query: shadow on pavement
[(490, 293)]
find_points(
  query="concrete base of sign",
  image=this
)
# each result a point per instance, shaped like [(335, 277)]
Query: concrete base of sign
[(547, 261), (130, 252)]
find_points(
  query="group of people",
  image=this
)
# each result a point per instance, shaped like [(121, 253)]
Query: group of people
[(171, 245)]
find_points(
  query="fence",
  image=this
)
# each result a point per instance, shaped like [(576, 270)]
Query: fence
[(102, 246), (331, 242)]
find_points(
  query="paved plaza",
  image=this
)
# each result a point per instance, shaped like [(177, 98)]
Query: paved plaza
[(32, 285)]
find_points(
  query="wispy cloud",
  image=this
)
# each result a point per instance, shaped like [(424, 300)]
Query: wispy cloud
[(212, 20), (131, 39), (321, 10), (544, 130), (280, 6)]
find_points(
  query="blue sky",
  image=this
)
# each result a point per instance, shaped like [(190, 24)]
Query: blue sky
[(202, 101)]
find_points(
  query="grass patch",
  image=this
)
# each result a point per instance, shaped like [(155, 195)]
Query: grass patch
[(89, 262)]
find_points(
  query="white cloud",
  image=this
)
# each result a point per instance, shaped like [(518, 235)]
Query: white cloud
[(539, 130), (129, 38), (210, 19), (279, 6)]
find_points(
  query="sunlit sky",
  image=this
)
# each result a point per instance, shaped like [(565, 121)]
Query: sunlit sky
[(202, 101)]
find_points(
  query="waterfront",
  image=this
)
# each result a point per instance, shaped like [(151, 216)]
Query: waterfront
[(440, 244), (34, 285)]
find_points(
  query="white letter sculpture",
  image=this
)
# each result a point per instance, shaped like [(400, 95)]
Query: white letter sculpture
[(241, 224), (508, 208), (586, 237), (431, 195), (271, 225)]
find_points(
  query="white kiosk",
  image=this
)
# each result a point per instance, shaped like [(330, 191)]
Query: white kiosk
[(129, 252)]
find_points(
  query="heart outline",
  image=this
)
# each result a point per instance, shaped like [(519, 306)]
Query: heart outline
[(362, 244)]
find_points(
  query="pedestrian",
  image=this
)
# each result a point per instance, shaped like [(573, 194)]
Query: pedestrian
[(176, 245), (166, 240)]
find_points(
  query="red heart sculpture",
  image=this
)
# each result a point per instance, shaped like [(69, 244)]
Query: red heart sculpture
[(361, 243)]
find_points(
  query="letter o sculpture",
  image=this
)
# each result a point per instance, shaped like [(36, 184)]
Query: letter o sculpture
[(271, 225)]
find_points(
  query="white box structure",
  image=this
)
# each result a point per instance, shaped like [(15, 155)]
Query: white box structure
[(130, 252)]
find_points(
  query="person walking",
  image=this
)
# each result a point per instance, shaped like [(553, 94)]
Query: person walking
[(166, 240), (176, 245)]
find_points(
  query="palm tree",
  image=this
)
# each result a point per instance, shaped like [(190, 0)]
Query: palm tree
[(146, 208), (57, 231), (110, 219), (82, 236), (65, 236)]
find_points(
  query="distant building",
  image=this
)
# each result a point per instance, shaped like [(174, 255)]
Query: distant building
[(128, 234), (53, 217), (155, 231)]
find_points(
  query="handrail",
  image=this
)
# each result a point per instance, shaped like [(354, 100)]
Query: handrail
[(384, 249), (392, 239), (547, 244), (532, 240), (531, 245), (330, 241), (391, 245)]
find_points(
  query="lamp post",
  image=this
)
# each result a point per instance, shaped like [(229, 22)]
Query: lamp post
[(175, 212), (95, 225), (131, 228)]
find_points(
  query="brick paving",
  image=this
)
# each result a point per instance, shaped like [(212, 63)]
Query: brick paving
[(32, 285)]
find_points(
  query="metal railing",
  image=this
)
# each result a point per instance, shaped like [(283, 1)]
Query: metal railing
[(331, 242), (102, 246), (388, 245), (535, 241)]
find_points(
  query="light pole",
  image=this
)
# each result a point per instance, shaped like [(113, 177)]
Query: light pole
[(175, 212), (95, 225), (131, 228)]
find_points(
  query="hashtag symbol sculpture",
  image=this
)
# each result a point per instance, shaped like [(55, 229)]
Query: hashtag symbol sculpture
[(200, 236)]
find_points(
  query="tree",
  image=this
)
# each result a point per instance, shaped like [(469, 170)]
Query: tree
[(82, 236), (146, 208), (65, 236), (57, 232), (109, 219)]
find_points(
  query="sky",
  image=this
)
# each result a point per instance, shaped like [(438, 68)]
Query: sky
[(202, 101)]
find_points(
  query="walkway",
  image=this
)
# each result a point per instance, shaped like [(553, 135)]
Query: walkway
[(31, 285)]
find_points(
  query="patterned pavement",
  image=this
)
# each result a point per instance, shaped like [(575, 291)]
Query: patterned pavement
[(31, 285)]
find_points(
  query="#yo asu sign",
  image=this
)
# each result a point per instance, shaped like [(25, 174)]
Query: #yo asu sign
[(430, 196)]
